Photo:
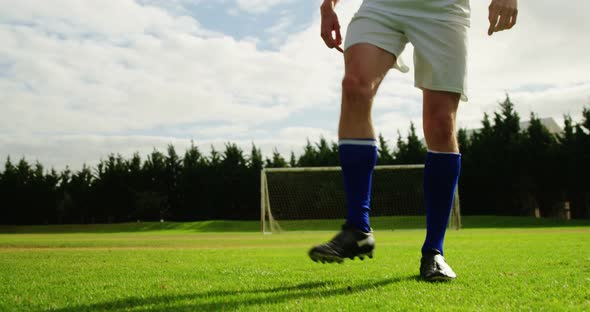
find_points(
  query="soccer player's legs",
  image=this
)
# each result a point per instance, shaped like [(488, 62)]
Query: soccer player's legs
[(365, 68), (441, 173), (440, 52), (371, 46)]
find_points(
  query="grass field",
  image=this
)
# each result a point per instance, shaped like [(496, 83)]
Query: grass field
[(541, 265)]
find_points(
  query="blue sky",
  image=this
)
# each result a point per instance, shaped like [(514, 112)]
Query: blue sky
[(80, 79), (245, 19)]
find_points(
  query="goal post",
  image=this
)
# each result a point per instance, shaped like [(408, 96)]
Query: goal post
[(312, 198)]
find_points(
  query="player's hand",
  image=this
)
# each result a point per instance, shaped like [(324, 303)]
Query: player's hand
[(502, 15), (330, 27)]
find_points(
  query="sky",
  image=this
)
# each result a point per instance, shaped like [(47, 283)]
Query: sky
[(80, 79)]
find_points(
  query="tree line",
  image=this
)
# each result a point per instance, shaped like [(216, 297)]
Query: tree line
[(506, 171)]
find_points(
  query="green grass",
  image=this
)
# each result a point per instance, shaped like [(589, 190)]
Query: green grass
[(378, 223), (543, 265)]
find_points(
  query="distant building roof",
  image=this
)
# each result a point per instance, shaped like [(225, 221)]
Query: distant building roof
[(549, 123)]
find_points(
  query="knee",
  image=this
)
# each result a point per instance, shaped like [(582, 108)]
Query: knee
[(357, 93), (440, 126)]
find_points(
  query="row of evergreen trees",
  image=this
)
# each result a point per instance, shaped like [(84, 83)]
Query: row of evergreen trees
[(513, 171), (506, 170)]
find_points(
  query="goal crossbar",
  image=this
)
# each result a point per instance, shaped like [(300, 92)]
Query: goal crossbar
[(301, 169)]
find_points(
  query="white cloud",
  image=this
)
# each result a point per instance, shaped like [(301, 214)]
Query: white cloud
[(278, 32), (136, 76), (258, 6), (74, 150), (294, 134)]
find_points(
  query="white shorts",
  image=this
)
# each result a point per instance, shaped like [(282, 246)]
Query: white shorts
[(440, 46)]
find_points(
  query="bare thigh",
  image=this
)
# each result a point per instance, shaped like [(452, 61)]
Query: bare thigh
[(367, 63), (365, 67)]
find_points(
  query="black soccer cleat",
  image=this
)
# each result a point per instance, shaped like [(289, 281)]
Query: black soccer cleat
[(434, 268), (349, 243)]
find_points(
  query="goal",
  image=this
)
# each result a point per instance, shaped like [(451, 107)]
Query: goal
[(313, 199)]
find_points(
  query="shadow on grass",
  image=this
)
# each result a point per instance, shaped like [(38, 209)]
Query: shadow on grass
[(231, 300)]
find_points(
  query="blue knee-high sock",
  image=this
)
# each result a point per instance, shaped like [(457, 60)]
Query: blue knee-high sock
[(441, 174), (357, 159)]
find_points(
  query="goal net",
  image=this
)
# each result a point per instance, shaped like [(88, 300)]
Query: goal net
[(313, 199)]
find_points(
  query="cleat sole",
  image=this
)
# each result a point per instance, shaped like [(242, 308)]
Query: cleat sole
[(326, 258)]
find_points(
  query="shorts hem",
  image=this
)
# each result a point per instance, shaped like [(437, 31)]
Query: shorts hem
[(380, 46), (398, 64), (460, 91)]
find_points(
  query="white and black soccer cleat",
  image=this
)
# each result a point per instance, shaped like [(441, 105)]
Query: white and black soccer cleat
[(434, 268), (349, 243)]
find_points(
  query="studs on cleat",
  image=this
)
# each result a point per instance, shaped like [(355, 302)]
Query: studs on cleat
[(325, 258)]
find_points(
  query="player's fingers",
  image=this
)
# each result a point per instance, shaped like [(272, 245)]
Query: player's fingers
[(503, 22), (338, 42), (327, 37), (492, 27), (338, 35), (325, 32), (493, 13), (493, 18)]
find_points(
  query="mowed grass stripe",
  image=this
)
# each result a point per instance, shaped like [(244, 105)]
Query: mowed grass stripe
[(224, 226), (236, 240), (499, 269)]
